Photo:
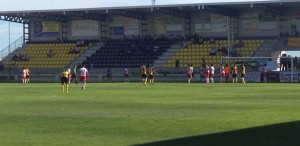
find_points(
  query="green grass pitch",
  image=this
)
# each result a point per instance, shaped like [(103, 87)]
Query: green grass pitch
[(108, 114)]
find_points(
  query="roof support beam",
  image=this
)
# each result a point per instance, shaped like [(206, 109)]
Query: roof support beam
[(176, 13), (15, 19), (221, 11), (269, 9), (130, 14), (50, 17), (92, 16)]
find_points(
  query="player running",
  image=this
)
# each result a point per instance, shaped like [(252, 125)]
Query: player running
[(27, 75), (23, 75), (83, 75)]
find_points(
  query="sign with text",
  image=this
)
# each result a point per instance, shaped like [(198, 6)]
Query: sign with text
[(46, 29), (85, 28)]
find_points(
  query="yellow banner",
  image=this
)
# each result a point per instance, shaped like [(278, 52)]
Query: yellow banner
[(50, 26), (294, 42)]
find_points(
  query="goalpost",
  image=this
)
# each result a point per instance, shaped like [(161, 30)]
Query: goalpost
[(284, 66)]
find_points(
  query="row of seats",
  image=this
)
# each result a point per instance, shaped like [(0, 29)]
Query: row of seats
[(120, 54), (193, 53), (37, 56)]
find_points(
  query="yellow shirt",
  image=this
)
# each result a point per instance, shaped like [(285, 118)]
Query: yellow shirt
[(27, 71), (235, 70), (143, 69), (243, 69), (65, 74), (152, 71)]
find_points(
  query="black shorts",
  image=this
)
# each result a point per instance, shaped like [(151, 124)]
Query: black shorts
[(242, 75), (27, 76), (150, 76), (64, 80), (144, 76), (74, 76), (233, 75)]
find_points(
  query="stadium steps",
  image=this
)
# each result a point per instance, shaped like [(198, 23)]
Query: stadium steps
[(87, 53), (166, 56), (266, 48)]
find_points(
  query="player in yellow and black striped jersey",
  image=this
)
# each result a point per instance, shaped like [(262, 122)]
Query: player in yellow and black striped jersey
[(243, 73), (143, 71), (151, 72), (65, 82), (234, 74)]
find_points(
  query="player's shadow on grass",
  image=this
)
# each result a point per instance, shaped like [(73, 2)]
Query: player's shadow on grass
[(284, 134)]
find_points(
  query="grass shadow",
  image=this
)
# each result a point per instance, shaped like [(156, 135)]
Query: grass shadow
[(283, 134)]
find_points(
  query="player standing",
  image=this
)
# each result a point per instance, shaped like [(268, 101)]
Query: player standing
[(151, 72), (243, 73), (24, 75), (74, 73), (69, 75), (264, 73), (222, 73), (189, 72), (207, 74), (202, 73), (27, 75), (65, 81), (212, 73), (126, 74), (83, 75), (227, 72), (234, 74), (143, 71)]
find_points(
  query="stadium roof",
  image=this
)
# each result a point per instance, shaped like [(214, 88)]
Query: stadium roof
[(228, 3)]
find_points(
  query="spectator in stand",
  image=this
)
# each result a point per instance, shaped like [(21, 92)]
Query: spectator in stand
[(224, 51), (109, 74), (58, 40), (295, 62), (177, 65), (15, 57), (203, 64), (212, 40), (50, 53), (76, 50), (213, 51)]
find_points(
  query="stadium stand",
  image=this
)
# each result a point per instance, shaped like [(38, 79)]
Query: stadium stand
[(193, 53), (36, 55), (128, 53)]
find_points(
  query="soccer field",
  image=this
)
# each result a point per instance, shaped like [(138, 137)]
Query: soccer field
[(162, 114)]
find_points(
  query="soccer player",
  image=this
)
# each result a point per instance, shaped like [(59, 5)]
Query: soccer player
[(74, 73), (202, 74), (64, 81), (143, 71), (24, 75), (243, 73), (69, 75), (234, 74), (207, 74), (212, 73), (126, 74), (27, 75), (151, 72), (227, 72), (83, 75), (189, 72), (264, 74), (222, 73)]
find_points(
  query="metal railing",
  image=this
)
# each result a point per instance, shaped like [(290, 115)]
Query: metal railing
[(11, 47)]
